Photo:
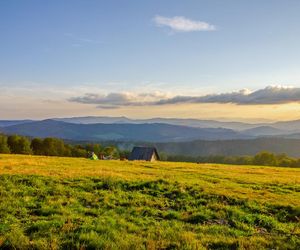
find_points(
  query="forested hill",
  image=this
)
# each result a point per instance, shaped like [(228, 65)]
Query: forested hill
[(290, 147), (150, 132)]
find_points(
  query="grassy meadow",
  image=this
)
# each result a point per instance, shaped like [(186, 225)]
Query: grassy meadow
[(70, 203)]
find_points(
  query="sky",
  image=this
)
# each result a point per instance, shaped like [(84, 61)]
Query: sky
[(224, 60)]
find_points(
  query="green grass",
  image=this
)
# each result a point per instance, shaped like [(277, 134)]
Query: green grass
[(65, 203)]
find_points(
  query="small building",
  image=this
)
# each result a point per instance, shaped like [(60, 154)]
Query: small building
[(144, 154), (92, 156)]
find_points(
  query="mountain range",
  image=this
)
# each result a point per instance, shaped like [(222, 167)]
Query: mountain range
[(288, 126), (147, 132), (174, 136), (155, 129)]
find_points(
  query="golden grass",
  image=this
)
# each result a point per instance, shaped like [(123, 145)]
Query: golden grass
[(265, 184)]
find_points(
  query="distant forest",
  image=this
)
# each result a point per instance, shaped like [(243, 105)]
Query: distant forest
[(263, 158), (16, 144), (196, 148)]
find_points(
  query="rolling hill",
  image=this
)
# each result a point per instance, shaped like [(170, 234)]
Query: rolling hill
[(150, 132), (6, 123), (264, 131), (173, 121), (260, 129), (290, 147)]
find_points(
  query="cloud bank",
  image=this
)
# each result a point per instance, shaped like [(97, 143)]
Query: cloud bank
[(114, 100), (268, 95), (182, 24)]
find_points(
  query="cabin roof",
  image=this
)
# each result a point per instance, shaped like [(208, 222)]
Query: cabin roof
[(143, 153)]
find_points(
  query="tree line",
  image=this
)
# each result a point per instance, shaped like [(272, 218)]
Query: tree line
[(16, 144), (263, 158)]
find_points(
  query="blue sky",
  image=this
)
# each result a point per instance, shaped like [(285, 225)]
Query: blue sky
[(102, 47)]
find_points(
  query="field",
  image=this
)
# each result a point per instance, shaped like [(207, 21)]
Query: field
[(67, 203)]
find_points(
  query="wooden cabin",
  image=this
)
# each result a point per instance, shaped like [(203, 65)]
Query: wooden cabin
[(144, 154)]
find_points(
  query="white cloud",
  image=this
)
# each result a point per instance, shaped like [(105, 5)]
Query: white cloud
[(182, 24), (113, 100), (268, 95)]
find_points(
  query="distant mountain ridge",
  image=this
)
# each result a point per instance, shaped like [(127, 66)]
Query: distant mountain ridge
[(152, 132), (210, 129), (173, 121), (265, 131), (6, 123), (290, 126), (192, 140)]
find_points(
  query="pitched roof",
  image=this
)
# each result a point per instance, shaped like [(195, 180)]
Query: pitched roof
[(143, 153)]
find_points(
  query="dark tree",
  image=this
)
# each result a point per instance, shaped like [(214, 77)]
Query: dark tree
[(96, 148), (78, 151), (111, 152), (4, 149), (19, 144), (55, 147), (37, 146), (265, 159)]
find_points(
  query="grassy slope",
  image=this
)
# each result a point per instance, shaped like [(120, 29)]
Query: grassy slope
[(49, 203)]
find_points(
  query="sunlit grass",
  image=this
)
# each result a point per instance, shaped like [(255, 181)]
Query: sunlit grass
[(51, 202)]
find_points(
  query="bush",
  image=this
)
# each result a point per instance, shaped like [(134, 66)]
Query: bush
[(265, 159), (19, 144), (4, 149)]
